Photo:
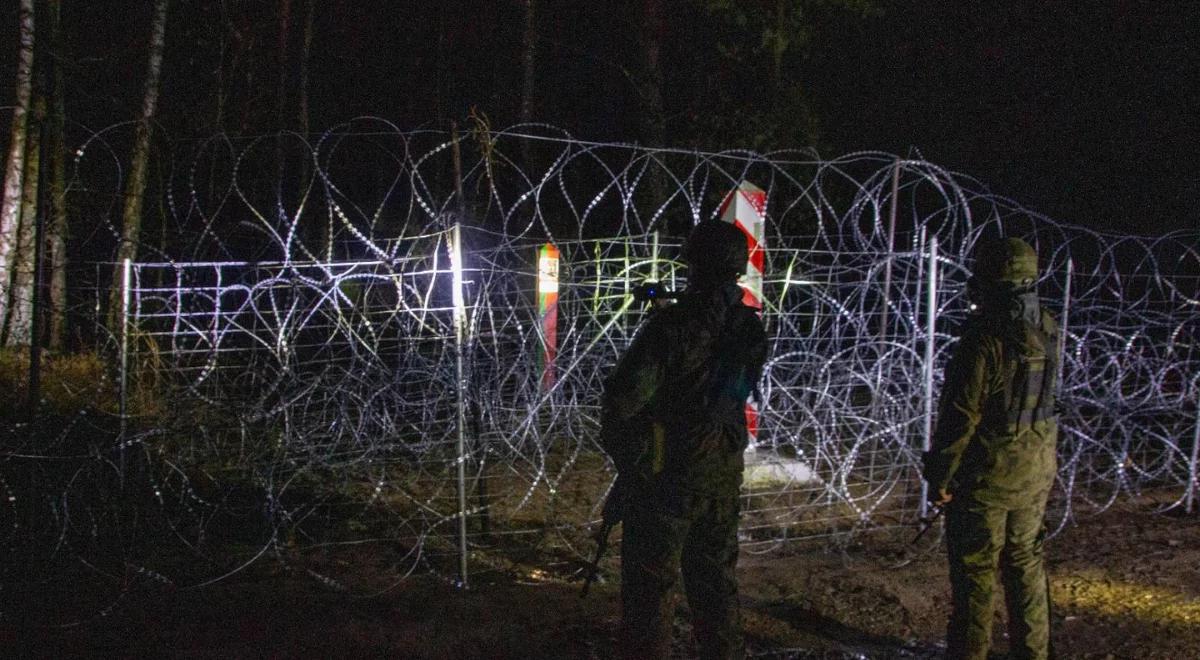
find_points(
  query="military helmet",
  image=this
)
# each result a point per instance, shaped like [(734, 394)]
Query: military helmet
[(716, 248), (1006, 261)]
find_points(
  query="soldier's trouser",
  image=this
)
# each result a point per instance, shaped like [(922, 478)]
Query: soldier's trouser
[(662, 535), (980, 539)]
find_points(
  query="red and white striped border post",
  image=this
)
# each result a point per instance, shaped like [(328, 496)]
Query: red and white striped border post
[(744, 207)]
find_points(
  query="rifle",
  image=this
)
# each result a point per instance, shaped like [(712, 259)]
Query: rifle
[(928, 522), (614, 511)]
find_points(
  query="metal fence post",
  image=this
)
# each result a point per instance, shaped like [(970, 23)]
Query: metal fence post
[(123, 391), (889, 257), (1192, 476), (625, 272), (1062, 325), (891, 248), (460, 326), (654, 256), (931, 326)]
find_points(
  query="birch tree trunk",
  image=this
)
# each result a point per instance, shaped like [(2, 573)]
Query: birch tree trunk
[(135, 186), (10, 208), (18, 331), (56, 232)]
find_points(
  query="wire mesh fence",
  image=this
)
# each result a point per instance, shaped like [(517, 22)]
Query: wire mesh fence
[(318, 363)]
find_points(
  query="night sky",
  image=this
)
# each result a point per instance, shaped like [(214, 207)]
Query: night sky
[(1087, 116), (1091, 117)]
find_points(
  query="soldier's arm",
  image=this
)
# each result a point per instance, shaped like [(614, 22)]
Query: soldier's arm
[(959, 411)]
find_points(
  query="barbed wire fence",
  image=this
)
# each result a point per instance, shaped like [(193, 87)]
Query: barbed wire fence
[(342, 342)]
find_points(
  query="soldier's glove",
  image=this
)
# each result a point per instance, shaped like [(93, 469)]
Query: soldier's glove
[(941, 498)]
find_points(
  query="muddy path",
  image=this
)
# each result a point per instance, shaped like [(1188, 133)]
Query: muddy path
[(1125, 584)]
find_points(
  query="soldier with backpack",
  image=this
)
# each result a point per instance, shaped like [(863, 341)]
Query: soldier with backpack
[(993, 458), (673, 421)]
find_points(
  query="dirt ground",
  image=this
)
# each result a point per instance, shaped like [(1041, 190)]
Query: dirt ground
[(1125, 584)]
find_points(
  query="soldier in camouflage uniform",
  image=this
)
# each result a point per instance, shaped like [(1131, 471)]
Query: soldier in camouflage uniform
[(674, 422), (993, 458)]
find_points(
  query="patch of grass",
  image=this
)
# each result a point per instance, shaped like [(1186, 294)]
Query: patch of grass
[(1107, 596), (73, 382), (70, 382)]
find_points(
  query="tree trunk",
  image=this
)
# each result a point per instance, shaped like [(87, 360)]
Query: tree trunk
[(281, 96), (529, 61), (18, 330), (310, 231), (441, 71), (285, 25), (135, 187), (309, 6), (779, 43), (653, 27), (56, 232), (219, 100), (10, 208), (528, 73), (653, 116)]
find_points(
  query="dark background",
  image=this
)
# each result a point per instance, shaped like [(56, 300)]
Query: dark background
[(1089, 116)]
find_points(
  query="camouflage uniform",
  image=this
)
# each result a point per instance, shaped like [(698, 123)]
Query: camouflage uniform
[(677, 398), (994, 454)]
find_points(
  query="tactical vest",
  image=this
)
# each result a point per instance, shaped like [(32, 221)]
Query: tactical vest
[(1029, 394)]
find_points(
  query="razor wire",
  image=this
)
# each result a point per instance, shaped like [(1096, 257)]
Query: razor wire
[(294, 385)]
